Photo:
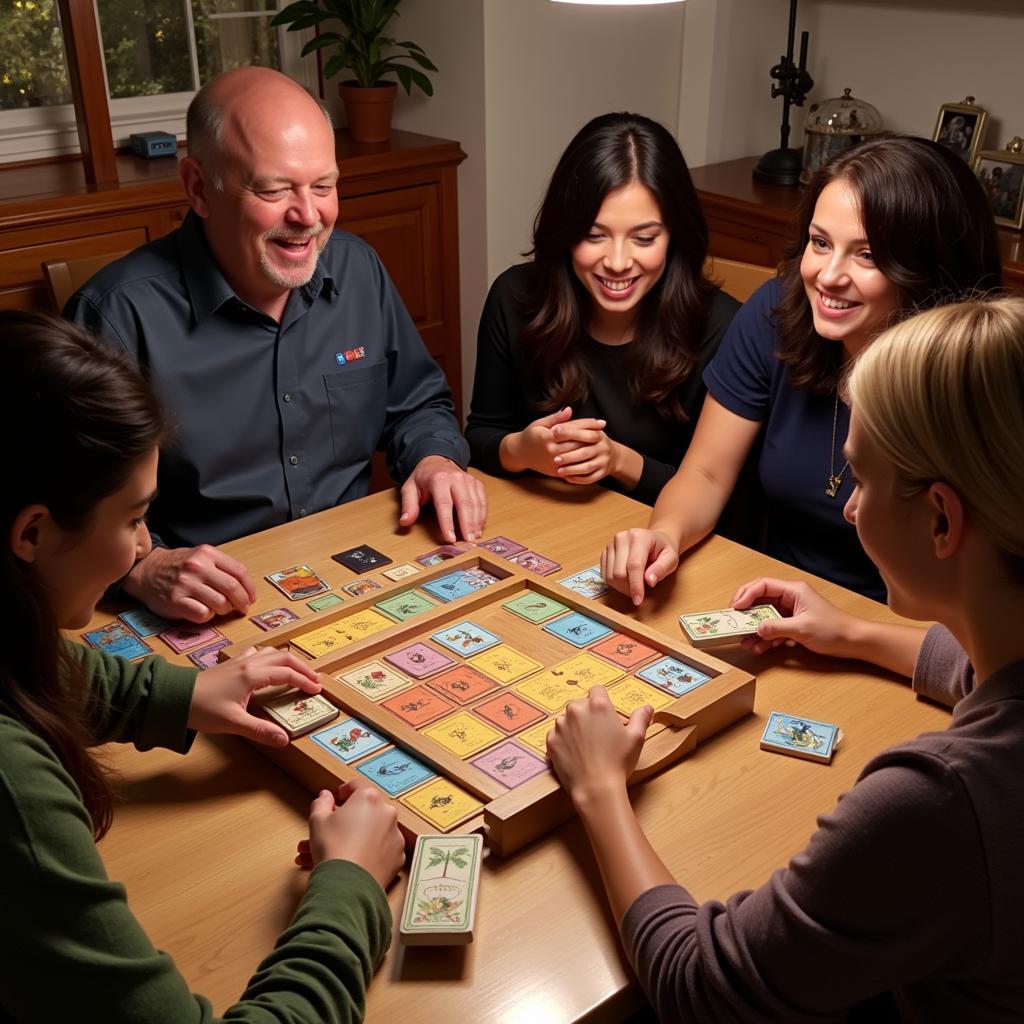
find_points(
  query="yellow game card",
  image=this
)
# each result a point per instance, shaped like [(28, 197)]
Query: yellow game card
[(324, 640), (585, 670), (442, 803), (462, 733), (536, 737), (631, 694), (504, 664), (365, 623), (549, 692)]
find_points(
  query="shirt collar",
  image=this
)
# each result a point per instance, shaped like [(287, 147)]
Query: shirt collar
[(1006, 683), (208, 289)]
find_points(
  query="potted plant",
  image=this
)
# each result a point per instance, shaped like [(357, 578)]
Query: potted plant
[(361, 47)]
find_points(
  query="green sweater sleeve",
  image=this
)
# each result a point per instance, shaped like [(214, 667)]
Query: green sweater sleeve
[(70, 948)]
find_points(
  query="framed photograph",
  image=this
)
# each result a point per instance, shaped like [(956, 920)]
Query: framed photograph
[(961, 128), (1001, 173)]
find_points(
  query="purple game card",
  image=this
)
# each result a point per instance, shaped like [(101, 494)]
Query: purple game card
[(419, 661), (502, 546), (208, 657), (535, 563), (510, 764)]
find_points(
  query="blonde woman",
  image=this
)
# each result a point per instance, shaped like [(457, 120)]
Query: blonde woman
[(910, 895)]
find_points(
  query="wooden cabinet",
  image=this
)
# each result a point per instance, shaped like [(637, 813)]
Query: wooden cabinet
[(752, 222), (401, 196)]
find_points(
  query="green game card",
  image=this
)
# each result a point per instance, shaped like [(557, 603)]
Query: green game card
[(405, 606), (319, 604), (535, 607)]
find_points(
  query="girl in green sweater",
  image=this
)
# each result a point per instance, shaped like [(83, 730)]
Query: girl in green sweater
[(84, 431)]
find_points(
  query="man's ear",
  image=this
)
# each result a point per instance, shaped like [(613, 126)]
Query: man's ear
[(195, 182), (947, 519), (28, 531)]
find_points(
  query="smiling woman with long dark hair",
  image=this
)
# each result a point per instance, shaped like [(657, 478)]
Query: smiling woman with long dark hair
[(589, 357)]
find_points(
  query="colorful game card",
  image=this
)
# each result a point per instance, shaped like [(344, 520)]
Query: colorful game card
[(405, 606), (450, 587), (321, 604), (462, 684), (509, 712), (324, 639), (274, 618), (622, 650), (359, 587), (442, 803), (535, 563), (577, 629), (536, 737), (588, 583), (800, 737), (725, 625), (674, 676), (438, 555), (142, 622), (395, 771), (504, 664), (585, 670), (298, 582), (375, 680), (187, 638), (299, 712), (349, 740), (418, 706), (509, 764), (549, 692), (440, 901), (535, 607), (361, 559), (419, 661), (479, 578), (502, 546), (365, 623), (209, 656), (462, 734), (465, 638), (117, 639), (400, 572), (631, 694)]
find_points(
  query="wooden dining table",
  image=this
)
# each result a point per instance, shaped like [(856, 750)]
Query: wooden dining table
[(204, 843)]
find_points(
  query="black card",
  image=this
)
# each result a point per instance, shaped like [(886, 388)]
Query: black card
[(361, 559)]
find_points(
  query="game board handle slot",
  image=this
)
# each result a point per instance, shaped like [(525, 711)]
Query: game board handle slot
[(665, 747)]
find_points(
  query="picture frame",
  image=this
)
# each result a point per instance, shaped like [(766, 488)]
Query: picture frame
[(1001, 173), (960, 127)]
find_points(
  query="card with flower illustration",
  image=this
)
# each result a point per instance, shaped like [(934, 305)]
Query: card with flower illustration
[(442, 803), (419, 660), (504, 663), (299, 712), (509, 712), (465, 638), (462, 734), (440, 901), (462, 684), (349, 740), (725, 625), (375, 680), (674, 676), (417, 706)]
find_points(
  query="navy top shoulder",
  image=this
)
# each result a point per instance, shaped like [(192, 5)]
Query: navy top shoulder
[(803, 438)]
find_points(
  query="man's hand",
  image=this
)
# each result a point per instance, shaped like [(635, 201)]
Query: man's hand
[(190, 583), (453, 492)]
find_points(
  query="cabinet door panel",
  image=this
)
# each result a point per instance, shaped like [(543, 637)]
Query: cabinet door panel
[(23, 265)]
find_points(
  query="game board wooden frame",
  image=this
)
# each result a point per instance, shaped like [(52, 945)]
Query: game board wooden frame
[(511, 817)]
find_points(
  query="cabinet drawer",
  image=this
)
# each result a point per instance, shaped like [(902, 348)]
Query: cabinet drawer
[(22, 265)]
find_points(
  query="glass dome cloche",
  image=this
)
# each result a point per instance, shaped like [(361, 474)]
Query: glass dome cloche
[(835, 125)]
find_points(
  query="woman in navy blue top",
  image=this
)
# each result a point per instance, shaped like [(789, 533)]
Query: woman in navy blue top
[(889, 228)]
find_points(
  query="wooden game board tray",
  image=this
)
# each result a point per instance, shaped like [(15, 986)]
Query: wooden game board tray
[(510, 817)]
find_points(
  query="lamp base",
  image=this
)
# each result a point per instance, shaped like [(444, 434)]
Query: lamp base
[(780, 167)]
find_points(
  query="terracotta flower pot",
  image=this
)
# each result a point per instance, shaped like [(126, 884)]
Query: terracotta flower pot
[(368, 110)]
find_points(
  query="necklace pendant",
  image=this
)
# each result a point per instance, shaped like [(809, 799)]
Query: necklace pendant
[(833, 485)]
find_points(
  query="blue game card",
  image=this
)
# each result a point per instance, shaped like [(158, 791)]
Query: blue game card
[(145, 623), (117, 639), (466, 638), (674, 676), (395, 771), (349, 740), (800, 737), (579, 630), (450, 587)]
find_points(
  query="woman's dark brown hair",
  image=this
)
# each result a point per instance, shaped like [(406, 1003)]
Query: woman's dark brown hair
[(80, 418), (608, 152), (930, 230)]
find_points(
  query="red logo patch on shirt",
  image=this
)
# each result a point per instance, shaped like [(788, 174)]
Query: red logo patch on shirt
[(350, 355)]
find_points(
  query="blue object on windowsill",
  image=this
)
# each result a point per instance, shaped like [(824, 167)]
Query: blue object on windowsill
[(152, 144)]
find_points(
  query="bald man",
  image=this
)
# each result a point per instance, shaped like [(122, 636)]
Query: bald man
[(280, 347)]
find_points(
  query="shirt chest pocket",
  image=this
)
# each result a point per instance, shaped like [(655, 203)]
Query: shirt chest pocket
[(357, 398)]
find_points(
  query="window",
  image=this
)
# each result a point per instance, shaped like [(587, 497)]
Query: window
[(156, 52)]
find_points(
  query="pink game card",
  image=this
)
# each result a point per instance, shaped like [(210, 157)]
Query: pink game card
[(188, 638), (419, 661), (510, 764)]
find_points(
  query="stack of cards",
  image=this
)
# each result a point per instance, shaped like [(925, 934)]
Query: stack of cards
[(800, 737), (298, 713), (440, 903), (725, 625)]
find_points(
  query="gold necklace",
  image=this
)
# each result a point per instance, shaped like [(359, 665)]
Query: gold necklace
[(835, 479)]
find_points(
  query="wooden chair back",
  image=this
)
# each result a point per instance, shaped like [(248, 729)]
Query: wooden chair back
[(740, 280), (65, 277)]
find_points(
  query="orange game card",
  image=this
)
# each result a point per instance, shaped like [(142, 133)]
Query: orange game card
[(462, 684), (623, 650), (417, 706), (509, 712)]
